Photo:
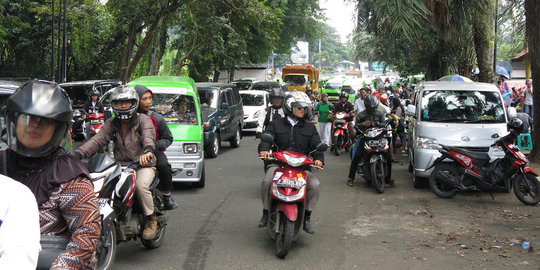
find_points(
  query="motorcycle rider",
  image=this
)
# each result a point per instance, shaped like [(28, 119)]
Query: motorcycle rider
[(134, 136), (294, 132), (91, 106), (38, 120), (344, 106), (271, 113), (373, 114), (164, 139)]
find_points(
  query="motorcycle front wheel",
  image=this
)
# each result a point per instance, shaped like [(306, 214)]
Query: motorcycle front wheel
[(377, 175), (338, 146), (106, 250), (284, 237), (437, 185), (527, 189)]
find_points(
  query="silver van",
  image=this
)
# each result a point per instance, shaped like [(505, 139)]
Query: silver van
[(463, 114)]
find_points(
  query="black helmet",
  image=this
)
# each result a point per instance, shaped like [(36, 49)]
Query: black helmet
[(371, 102), (297, 99), (515, 124), (344, 94), (94, 92), (277, 92), (43, 99), (124, 93)]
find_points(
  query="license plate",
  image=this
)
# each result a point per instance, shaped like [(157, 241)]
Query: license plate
[(283, 182), (95, 121)]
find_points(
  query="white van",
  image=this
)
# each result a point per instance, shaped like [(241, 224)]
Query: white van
[(462, 114)]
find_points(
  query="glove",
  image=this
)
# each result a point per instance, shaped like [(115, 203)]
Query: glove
[(77, 155), (258, 135)]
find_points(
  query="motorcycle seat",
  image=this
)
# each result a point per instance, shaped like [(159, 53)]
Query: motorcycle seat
[(476, 155)]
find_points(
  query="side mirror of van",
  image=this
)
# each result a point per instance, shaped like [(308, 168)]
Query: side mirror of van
[(411, 110), (224, 106)]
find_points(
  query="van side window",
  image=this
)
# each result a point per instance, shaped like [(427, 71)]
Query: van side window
[(230, 97), (236, 95), (223, 98)]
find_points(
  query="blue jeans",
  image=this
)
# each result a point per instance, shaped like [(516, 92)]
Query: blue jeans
[(528, 109)]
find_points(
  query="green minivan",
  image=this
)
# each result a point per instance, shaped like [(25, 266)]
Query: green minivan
[(174, 96)]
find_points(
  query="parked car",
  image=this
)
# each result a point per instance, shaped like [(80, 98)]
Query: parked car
[(463, 114), (255, 102), (185, 154), (222, 114)]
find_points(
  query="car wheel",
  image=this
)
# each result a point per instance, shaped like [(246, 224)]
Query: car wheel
[(235, 141), (212, 150)]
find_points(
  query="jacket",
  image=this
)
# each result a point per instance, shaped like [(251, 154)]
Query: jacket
[(128, 147), (378, 116), (88, 107), (164, 137), (303, 137), (265, 117)]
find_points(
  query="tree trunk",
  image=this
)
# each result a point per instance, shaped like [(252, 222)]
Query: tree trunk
[(483, 33), (126, 56), (532, 12)]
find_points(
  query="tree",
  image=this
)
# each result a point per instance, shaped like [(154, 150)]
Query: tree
[(532, 12)]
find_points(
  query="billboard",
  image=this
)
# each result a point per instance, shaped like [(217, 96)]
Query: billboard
[(300, 53)]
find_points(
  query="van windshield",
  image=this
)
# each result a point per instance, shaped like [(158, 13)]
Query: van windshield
[(175, 108), (295, 79), (333, 85), (462, 107)]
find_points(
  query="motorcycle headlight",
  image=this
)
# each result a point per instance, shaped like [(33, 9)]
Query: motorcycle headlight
[(295, 162), (76, 113), (427, 143), (190, 148)]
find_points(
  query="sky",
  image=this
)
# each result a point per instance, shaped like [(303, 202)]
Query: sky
[(340, 15)]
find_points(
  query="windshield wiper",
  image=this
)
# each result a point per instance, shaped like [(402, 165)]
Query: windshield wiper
[(447, 120), (485, 121)]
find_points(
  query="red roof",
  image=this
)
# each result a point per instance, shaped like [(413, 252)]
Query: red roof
[(520, 55)]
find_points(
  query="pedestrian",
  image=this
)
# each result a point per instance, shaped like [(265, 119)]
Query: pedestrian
[(325, 126), (504, 88), (528, 98)]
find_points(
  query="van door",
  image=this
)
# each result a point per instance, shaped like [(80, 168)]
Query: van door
[(224, 116)]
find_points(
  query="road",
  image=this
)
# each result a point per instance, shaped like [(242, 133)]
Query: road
[(356, 228)]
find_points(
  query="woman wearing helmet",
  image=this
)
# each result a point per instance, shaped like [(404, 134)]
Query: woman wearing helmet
[(134, 137), (294, 132), (38, 120)]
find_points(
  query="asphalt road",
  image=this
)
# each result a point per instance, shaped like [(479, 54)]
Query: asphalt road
[(356, 228)]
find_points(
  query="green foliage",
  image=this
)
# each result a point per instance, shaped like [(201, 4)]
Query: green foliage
[(332, 50)]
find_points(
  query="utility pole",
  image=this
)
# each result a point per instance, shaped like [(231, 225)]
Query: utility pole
[(64, 45), (58, 52), (320, 56), (52, 42), (496, 37)]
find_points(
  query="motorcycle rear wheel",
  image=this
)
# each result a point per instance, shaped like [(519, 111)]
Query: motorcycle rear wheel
[(377, 175), (284, 237), (437, 186), (106, 252), (527, 189)]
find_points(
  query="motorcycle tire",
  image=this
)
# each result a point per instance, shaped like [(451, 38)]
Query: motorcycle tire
[(161, 227), (441, 189), (285, 236), (377, 175), (527, 189), (338, 146), (106, 250)]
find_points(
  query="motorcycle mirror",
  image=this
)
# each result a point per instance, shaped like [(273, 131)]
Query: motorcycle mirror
[(267, 138), (322, 147)]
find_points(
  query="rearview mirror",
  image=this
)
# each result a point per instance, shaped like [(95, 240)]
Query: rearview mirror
[(267, 138)]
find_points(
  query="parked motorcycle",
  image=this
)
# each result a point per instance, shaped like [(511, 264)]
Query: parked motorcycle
[(96, 122), (288, 196), (342, 140), (474, 171), (122, 215), (376, 161)]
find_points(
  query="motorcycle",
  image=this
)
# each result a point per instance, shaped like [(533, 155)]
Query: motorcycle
[(96, 122), (475, 171), (376, 162), (288, 196), (78, 127), (122, 215), (342, 140)]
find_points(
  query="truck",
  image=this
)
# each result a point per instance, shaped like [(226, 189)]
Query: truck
[(299, 77)]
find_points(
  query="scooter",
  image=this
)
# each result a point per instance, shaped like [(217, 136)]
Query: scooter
[(342, 140), (288, 196), (122, 215), (376, 162), (96, 122), (469, 170)]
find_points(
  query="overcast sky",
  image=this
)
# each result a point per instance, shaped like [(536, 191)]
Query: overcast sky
[(340, 15)]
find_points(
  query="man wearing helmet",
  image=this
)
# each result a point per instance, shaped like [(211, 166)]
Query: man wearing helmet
[(134, 137), (92, 106), (294, 132), (344, 106), (38, 120), (374, 113), (273, 112)]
